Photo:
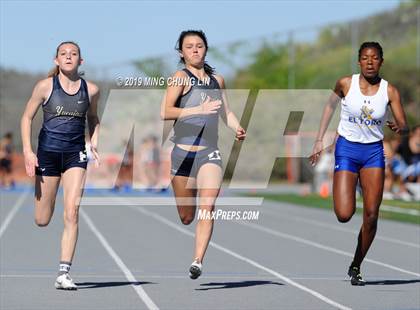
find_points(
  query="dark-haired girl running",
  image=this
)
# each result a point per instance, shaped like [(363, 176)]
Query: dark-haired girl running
[(196, 162)]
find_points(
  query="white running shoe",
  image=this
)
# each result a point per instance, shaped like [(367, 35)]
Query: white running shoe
[(405, 196), (64, 282), (388, 196), (195, 269)]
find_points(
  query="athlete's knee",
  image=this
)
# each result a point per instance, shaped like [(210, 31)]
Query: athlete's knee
[(42, 222), (186, 219), (43, 217), (71, 217), (343, 216), (343, 211), (371, 219)]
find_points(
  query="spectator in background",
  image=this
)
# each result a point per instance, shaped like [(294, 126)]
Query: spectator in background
[(390, 145), (6, 151), (151, 161), (125, 176), (324, 172), (406, 164)]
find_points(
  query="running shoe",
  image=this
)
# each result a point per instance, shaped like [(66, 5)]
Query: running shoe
[(388, 196), (195, 269), (355, 276), (405, 196), (64, 282)]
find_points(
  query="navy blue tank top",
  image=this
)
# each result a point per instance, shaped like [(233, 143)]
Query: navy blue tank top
[(198, 129), (63, 129)]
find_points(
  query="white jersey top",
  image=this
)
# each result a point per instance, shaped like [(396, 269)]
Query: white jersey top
[(362, 117)]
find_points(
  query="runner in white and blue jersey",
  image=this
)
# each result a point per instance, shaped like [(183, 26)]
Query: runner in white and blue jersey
[(66, 100), (359, 153)]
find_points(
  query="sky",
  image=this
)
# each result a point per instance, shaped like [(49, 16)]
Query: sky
[(112, 33)]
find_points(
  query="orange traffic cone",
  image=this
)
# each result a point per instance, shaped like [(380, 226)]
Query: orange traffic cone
[(324, 190)]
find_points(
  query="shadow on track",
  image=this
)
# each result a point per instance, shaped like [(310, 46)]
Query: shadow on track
[(224, 285), (87, 285), (392, 282)]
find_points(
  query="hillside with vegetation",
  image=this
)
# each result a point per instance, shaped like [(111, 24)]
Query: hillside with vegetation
[(319, 64)]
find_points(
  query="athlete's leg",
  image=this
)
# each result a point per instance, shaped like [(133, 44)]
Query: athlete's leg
[(389, 181), (45, 194), (2, 174), (344, 194), (372, 182), (73, 184), (209, 179), (185, 197)]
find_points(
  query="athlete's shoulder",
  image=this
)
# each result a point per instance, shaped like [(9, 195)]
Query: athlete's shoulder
[(392, 87), (180, 74), (44, 83), (180, 78), (219, 80), (392, 91), (44, 87), (93, 89), (345, 81), (342, 86)]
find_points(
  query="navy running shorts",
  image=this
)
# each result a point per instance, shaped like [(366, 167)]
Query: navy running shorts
[(56, 163), (187, 163)]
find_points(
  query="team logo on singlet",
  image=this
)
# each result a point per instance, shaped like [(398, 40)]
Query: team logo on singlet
[(215, 155), (82, 157), (365, 117), (60, 112), (366, 113), (203, 96)]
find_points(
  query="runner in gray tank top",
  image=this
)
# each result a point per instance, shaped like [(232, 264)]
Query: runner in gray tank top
[(196, 162)]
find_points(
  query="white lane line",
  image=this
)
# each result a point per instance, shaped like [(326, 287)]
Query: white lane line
[(245, 259), (393, 209), (321, 246), (130, 277), (13, 212), (338, 228)]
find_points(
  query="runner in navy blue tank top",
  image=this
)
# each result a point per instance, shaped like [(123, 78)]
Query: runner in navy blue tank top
[(66, 100), (196, 163)]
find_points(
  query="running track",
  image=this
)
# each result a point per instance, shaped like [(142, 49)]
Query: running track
[(136, 257)]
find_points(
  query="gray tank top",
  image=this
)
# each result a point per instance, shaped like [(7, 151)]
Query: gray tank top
[(198, 129)]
